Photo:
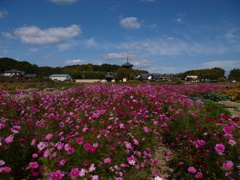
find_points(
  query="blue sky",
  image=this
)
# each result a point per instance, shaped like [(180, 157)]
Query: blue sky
[(160, 36)]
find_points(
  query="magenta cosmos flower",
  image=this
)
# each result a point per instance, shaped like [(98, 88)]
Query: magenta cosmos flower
[(5, 169), (33, 165), (48, 136), (192, 169), (9, 139), (87, 146), (95, 177), (107, 160), (227, 129), (220, 147), (56, 175), (74, 172), (228, 165), (199, 175), (79, 140)]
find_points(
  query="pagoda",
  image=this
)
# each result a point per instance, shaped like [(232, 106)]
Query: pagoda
[(127, 65)]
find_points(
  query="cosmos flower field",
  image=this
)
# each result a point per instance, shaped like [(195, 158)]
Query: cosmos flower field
[(112, 132)]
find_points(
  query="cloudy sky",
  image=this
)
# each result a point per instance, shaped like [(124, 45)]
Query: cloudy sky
[(160, 36)]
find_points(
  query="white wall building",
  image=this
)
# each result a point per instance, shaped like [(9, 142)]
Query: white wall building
[(61, 77)]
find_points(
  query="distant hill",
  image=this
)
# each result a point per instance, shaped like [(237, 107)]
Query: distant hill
[(89, 71)]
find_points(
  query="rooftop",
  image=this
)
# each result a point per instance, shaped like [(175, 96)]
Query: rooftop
[(59, 75)]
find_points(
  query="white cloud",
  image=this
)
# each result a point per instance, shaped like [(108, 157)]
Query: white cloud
[(2, 48), (232, 36), (67, 45), (3, 13), (180, 18), (7, 35), (74, 62), (173, 47), (33, 35), (166, 69), (63, 1), (225, 64), (41, 56), (141, 63), (130, 23), (114, 56), (90, 42)]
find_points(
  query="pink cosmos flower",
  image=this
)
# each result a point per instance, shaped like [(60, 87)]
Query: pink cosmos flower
[(128, 145), (199, 175), (228, 136), (48, 136), (135, 141), (227, 129), (220, 148), (118, 178), (192, 169), (95, 145), (70, 150), (2, 162), (201, 142), (34, 173), (95, 177), (107, 160), (92, 168), (145, 129), (82, 172), (74, 172), (92, 150), (42, 145), (132, 160), (79, 140), (87, 146), (5, 169), (35, 155), (232, 142), (33, 165), (57, 175), (9, 139), (46, 153), (228, 165), (62, 162), (181, 163), (33, 142), (86, 164), (148, 149)]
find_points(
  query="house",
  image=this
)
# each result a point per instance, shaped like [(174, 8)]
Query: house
[(192, 78), (145, 76), (111, 77), (61, 77), (166, 77), (14, 73)]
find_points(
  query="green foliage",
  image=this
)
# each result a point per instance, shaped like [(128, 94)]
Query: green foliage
[(234, 74), (212, 74), (216, 97)]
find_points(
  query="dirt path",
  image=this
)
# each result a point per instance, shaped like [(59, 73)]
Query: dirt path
[(234, 107)]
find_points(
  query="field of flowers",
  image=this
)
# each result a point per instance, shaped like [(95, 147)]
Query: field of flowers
[(112, 132)]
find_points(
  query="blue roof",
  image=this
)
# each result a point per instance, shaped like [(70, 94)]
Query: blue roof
[(59, 75)]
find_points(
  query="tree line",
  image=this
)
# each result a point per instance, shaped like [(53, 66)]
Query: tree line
[(90, 71), (213, 74)]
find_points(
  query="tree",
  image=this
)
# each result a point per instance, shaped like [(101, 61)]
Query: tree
[(234, 74)]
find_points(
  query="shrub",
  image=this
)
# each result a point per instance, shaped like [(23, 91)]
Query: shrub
[(216, 97)]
